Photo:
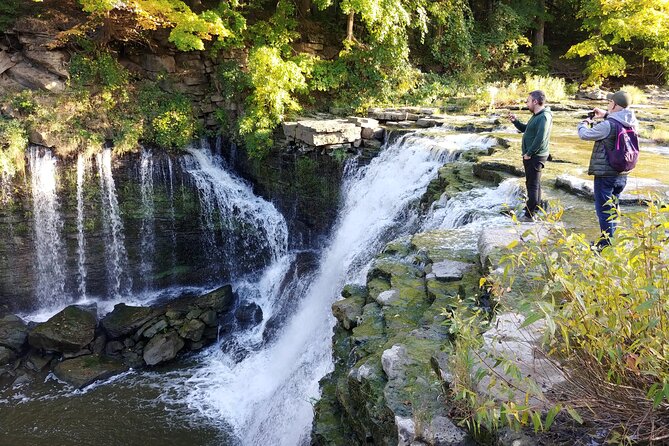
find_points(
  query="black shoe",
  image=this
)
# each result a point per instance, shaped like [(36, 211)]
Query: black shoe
[(525, 218)]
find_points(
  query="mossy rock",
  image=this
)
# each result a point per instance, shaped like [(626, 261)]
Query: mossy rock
[(369, 335), (70, 330), (125, 319), (347, 311), (85, 370)]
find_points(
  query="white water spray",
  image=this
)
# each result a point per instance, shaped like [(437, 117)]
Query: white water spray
[(266, 397), (147, 230), (228, 200), (115, 252), (48, 226), (81, 239)]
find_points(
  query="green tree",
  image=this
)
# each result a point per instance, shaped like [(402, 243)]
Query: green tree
[(620, 30), (122, 19)]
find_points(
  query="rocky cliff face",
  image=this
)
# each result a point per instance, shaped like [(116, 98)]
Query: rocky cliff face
[(390, 376)]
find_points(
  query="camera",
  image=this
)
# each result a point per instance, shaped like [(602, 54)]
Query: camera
[(591, 114)]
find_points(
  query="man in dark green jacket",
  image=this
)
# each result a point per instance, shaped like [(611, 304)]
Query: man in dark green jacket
[(536, 135)]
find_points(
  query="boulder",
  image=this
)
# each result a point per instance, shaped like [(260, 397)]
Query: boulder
[(508, 339), (326, 132), (13, 332), (156, 63), (5, 62), (365, 123), (388, 297), (34, 78), (6, 355), (54, 61), (427, 122), (85, 370), (125, 319), (42, 138), (449, 270), (249, 314), (38, 361), (68, 331), (440, 431), (219, 300), (193, 330), (585, 188), (209, 318), (289, 129), (347, 311), (163, 347), (394, 361), (152, 328)]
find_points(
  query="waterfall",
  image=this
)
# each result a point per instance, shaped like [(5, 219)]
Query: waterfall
[(48, 226), (246, 225), (81, 240), (119, 281), (266, 396), (147, 230)]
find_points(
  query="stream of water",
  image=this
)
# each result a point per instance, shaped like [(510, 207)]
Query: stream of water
[(257, 388)]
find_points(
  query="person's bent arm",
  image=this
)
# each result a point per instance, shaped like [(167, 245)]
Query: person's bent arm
[(595, 133), (541, 137), (519, 125)]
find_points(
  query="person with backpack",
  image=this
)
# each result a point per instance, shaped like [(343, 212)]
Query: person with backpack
[(614, 154), (534, 148)]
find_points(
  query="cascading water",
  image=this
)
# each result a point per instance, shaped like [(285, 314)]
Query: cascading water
[(147, 231), (81, 239), (265, 397), (119, 281), (231, 213), (48, 226)]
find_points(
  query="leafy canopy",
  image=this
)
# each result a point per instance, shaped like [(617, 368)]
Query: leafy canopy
[(641, 26), (188, 29)]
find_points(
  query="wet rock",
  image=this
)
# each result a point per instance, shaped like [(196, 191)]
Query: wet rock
[(114, 348), (249, 314), (449, 270), (193, 330), (68, 331), (388, 297), (85, 370), (428, 122), (219, 300), (13, 332), (38, 361), (153, 328), (6, 355), (163, 347), (347, 311), (125, 319), (394, 361), (209, 318)]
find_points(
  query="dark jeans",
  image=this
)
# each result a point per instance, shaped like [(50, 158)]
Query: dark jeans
[(533, 168), (607, 189)]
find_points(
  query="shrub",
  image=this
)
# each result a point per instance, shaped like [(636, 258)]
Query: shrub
[(606, 319), (13, 143), (637, 94), (169, 119)]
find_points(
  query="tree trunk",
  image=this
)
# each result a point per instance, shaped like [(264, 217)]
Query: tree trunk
[(541, 25), (305, 8), (349, 26)]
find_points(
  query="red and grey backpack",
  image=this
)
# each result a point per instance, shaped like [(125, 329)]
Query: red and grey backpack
[(625, 152)]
